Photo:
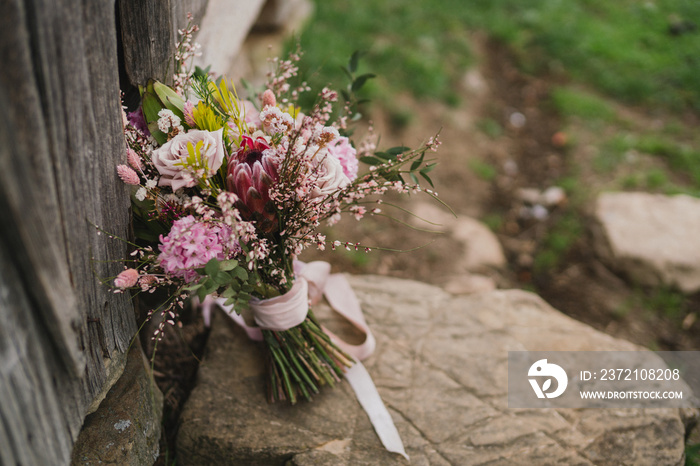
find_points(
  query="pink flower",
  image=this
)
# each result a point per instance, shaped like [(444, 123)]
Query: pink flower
[(327, 175), (268, 98), (251, 173), (189, 119), (127, 279), (171, 158), (134, 160), (191, 244), (128, 175), (341, 149)]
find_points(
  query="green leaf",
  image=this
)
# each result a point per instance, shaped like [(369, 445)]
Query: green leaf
[(360, 81), (240, 273), (384, 155), (417, 163), (427, 178), (170, 98), (222, 278), (398, 150), (228, 265), (414, 178), (228, 293), (160, 137), (347, 72), (354, 60), (212, 267), (429, 168), (151, 105), (371, 160)]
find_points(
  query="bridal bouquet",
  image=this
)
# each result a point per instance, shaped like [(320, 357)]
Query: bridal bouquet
[(227, 192)]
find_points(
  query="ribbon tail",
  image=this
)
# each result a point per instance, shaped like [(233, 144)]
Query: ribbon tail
[(368, 396)]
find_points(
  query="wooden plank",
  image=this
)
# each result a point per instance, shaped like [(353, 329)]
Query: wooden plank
[(149, 34), (62, 137)]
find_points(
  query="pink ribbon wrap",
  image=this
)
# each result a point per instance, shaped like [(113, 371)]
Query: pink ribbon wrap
[(313, 281)]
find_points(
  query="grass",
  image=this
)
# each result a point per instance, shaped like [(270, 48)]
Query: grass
[(624, 49), (571, 102), (562, 235)]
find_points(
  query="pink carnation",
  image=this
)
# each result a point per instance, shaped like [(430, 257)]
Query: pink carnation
[(191, 244), (341, 149), (128, 175), (127, 279)]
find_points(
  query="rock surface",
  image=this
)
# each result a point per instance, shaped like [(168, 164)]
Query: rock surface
[(651, 238), (125, 429), (441, 368), (482, 250)]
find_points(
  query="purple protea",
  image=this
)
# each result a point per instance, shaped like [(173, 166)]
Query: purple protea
[(251, 173)]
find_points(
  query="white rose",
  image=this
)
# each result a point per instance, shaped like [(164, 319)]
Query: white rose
[(170, 159), (328, 175)]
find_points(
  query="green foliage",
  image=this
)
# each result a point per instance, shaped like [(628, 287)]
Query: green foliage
[(227, 276), (666, 302), (565, 231), (692, 455), (575, 102), (626, 49)]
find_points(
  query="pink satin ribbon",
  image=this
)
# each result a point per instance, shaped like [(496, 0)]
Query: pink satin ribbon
[(313, 281)]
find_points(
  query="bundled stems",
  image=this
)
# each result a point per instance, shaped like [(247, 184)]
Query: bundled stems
[(302, 359)]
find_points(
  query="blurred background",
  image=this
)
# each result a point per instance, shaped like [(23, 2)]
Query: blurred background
[(541, 106)]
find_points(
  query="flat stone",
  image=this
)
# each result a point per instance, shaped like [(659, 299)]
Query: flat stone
[(125, 429), (651, 238), (441, 369)]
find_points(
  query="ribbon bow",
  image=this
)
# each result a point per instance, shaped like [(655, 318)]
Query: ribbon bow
[(313, 281)]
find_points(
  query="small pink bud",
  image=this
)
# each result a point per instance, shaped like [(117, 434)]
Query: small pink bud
[(268, 98), (133, 159), (188, 111), (128, 175), (127, 279)]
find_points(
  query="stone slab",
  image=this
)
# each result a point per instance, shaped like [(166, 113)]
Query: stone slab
[(125, 429), (441, 369), (651, 238)]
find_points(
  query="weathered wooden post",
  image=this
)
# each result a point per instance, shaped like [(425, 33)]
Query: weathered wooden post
[(63, 336)]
